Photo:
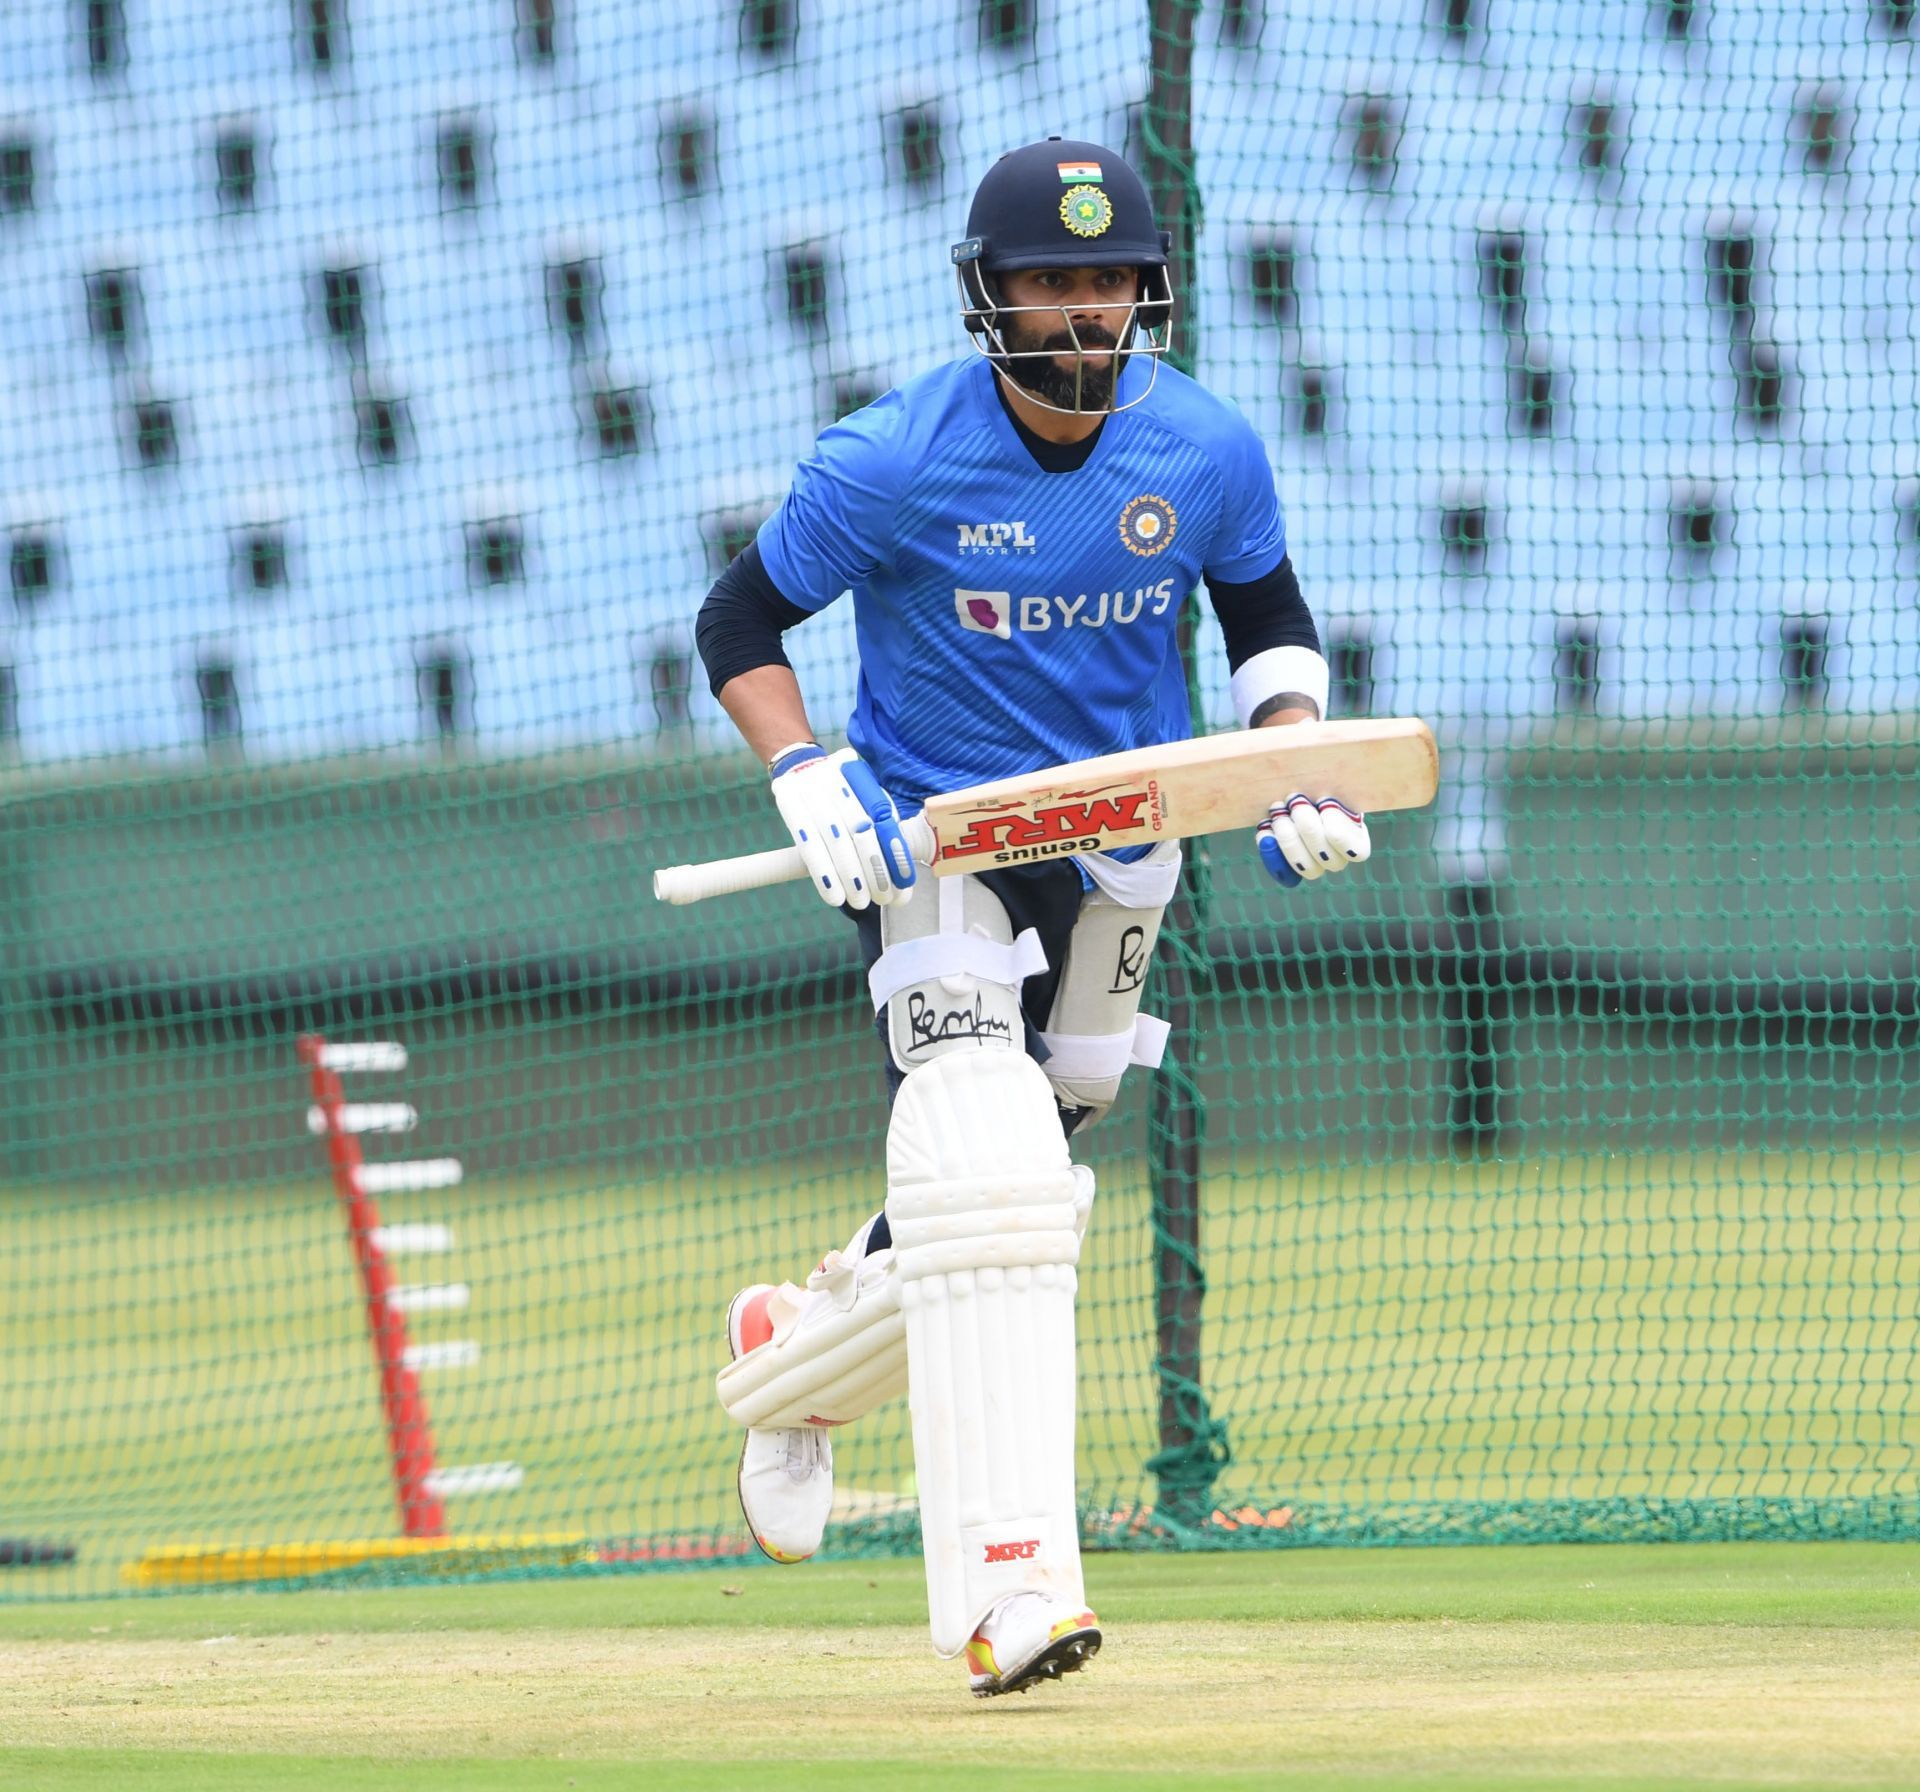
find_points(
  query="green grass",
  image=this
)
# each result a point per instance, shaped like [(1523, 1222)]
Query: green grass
[(195, 1368), (82, 1771), (1565, 1668), (1828, 1584)]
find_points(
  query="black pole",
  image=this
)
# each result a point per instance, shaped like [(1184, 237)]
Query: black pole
[(1168, 142), (20, 969), (29, 1552), (1193, 1446), (1473, 962)]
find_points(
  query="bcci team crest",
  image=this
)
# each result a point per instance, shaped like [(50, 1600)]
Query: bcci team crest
[(1086, 211), (1147, 524)]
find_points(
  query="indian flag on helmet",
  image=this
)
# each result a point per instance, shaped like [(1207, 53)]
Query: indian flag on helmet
[(1074, 171)]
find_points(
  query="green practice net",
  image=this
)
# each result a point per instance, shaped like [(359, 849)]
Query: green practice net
[(381, 388)]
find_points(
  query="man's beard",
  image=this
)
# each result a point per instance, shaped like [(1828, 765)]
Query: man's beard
[(1092, 390)]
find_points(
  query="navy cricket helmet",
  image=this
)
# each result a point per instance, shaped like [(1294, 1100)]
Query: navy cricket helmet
[(1063, 204)]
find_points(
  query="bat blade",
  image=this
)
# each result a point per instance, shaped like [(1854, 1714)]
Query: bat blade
[(1204, 786)]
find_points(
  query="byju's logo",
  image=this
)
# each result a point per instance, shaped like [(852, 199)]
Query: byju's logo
[(1000, 612), (985, 612), (996, 538)]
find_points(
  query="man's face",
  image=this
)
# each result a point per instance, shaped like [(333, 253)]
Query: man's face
[(1087, 310)]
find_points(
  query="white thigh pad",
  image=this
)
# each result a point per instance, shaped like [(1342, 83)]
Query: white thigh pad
[(1095, 1030), (838, 1348), (982, 1202), (950, 970)]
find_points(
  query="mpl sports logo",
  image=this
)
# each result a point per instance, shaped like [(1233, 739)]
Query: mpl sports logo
[(1072, 821), (995, 538)]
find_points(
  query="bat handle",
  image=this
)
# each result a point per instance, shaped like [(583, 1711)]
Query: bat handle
[(680, 884), (727, 877)]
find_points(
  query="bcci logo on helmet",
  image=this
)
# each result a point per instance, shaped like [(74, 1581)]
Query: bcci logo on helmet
[(1086, 211), (1147, 524)]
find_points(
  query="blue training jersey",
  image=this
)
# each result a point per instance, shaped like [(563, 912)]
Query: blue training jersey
[(1009, 618)]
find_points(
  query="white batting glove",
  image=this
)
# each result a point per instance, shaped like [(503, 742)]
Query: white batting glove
[(1302, 839), (844, 824)]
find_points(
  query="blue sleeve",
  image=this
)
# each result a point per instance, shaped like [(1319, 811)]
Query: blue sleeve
[(835, 525), (1252, 537)]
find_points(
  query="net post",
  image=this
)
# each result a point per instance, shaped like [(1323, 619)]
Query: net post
[(1475, 1012), (1168, 140), (21, 1152), (1193, 1444), (409, 1433)]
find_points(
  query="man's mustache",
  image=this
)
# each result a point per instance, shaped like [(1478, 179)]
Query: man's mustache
[(1093, 336)]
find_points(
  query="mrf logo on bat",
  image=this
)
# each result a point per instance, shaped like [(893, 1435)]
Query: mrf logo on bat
[(1072, 821)]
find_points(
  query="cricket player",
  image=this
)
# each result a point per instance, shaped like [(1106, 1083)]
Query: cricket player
[(1019, 529)]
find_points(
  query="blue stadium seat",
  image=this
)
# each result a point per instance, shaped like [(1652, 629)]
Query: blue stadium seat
[(181, 50), (1388, 299), (701, 40)]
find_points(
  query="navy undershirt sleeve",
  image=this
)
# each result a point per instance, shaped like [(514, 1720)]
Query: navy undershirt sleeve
[(740, 624), (1263, 613)]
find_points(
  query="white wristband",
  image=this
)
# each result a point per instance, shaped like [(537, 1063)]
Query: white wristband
[(1276, 671), (811, 748)]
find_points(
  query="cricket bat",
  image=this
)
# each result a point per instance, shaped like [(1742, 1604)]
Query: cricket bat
[(1135, 798)]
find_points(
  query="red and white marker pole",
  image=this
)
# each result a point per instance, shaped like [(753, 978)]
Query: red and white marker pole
[(409, 1435)]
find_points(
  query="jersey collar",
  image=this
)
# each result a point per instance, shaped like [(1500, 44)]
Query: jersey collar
[(1009, 437)]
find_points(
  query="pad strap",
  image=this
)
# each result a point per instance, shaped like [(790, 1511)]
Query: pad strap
[(1099, 1057), (938, 955)]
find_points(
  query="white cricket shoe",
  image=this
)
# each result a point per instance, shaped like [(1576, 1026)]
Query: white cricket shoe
[(1029, 1638), (786, 1473)]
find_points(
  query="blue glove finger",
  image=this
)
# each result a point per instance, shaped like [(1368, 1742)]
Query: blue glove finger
[(1275, 860), (886, 823)]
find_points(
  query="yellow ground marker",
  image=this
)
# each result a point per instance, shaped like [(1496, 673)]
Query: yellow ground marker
[(198, 1565)]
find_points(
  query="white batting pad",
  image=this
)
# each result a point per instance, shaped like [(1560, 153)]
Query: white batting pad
[(981, 1202), (837, 1349)]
